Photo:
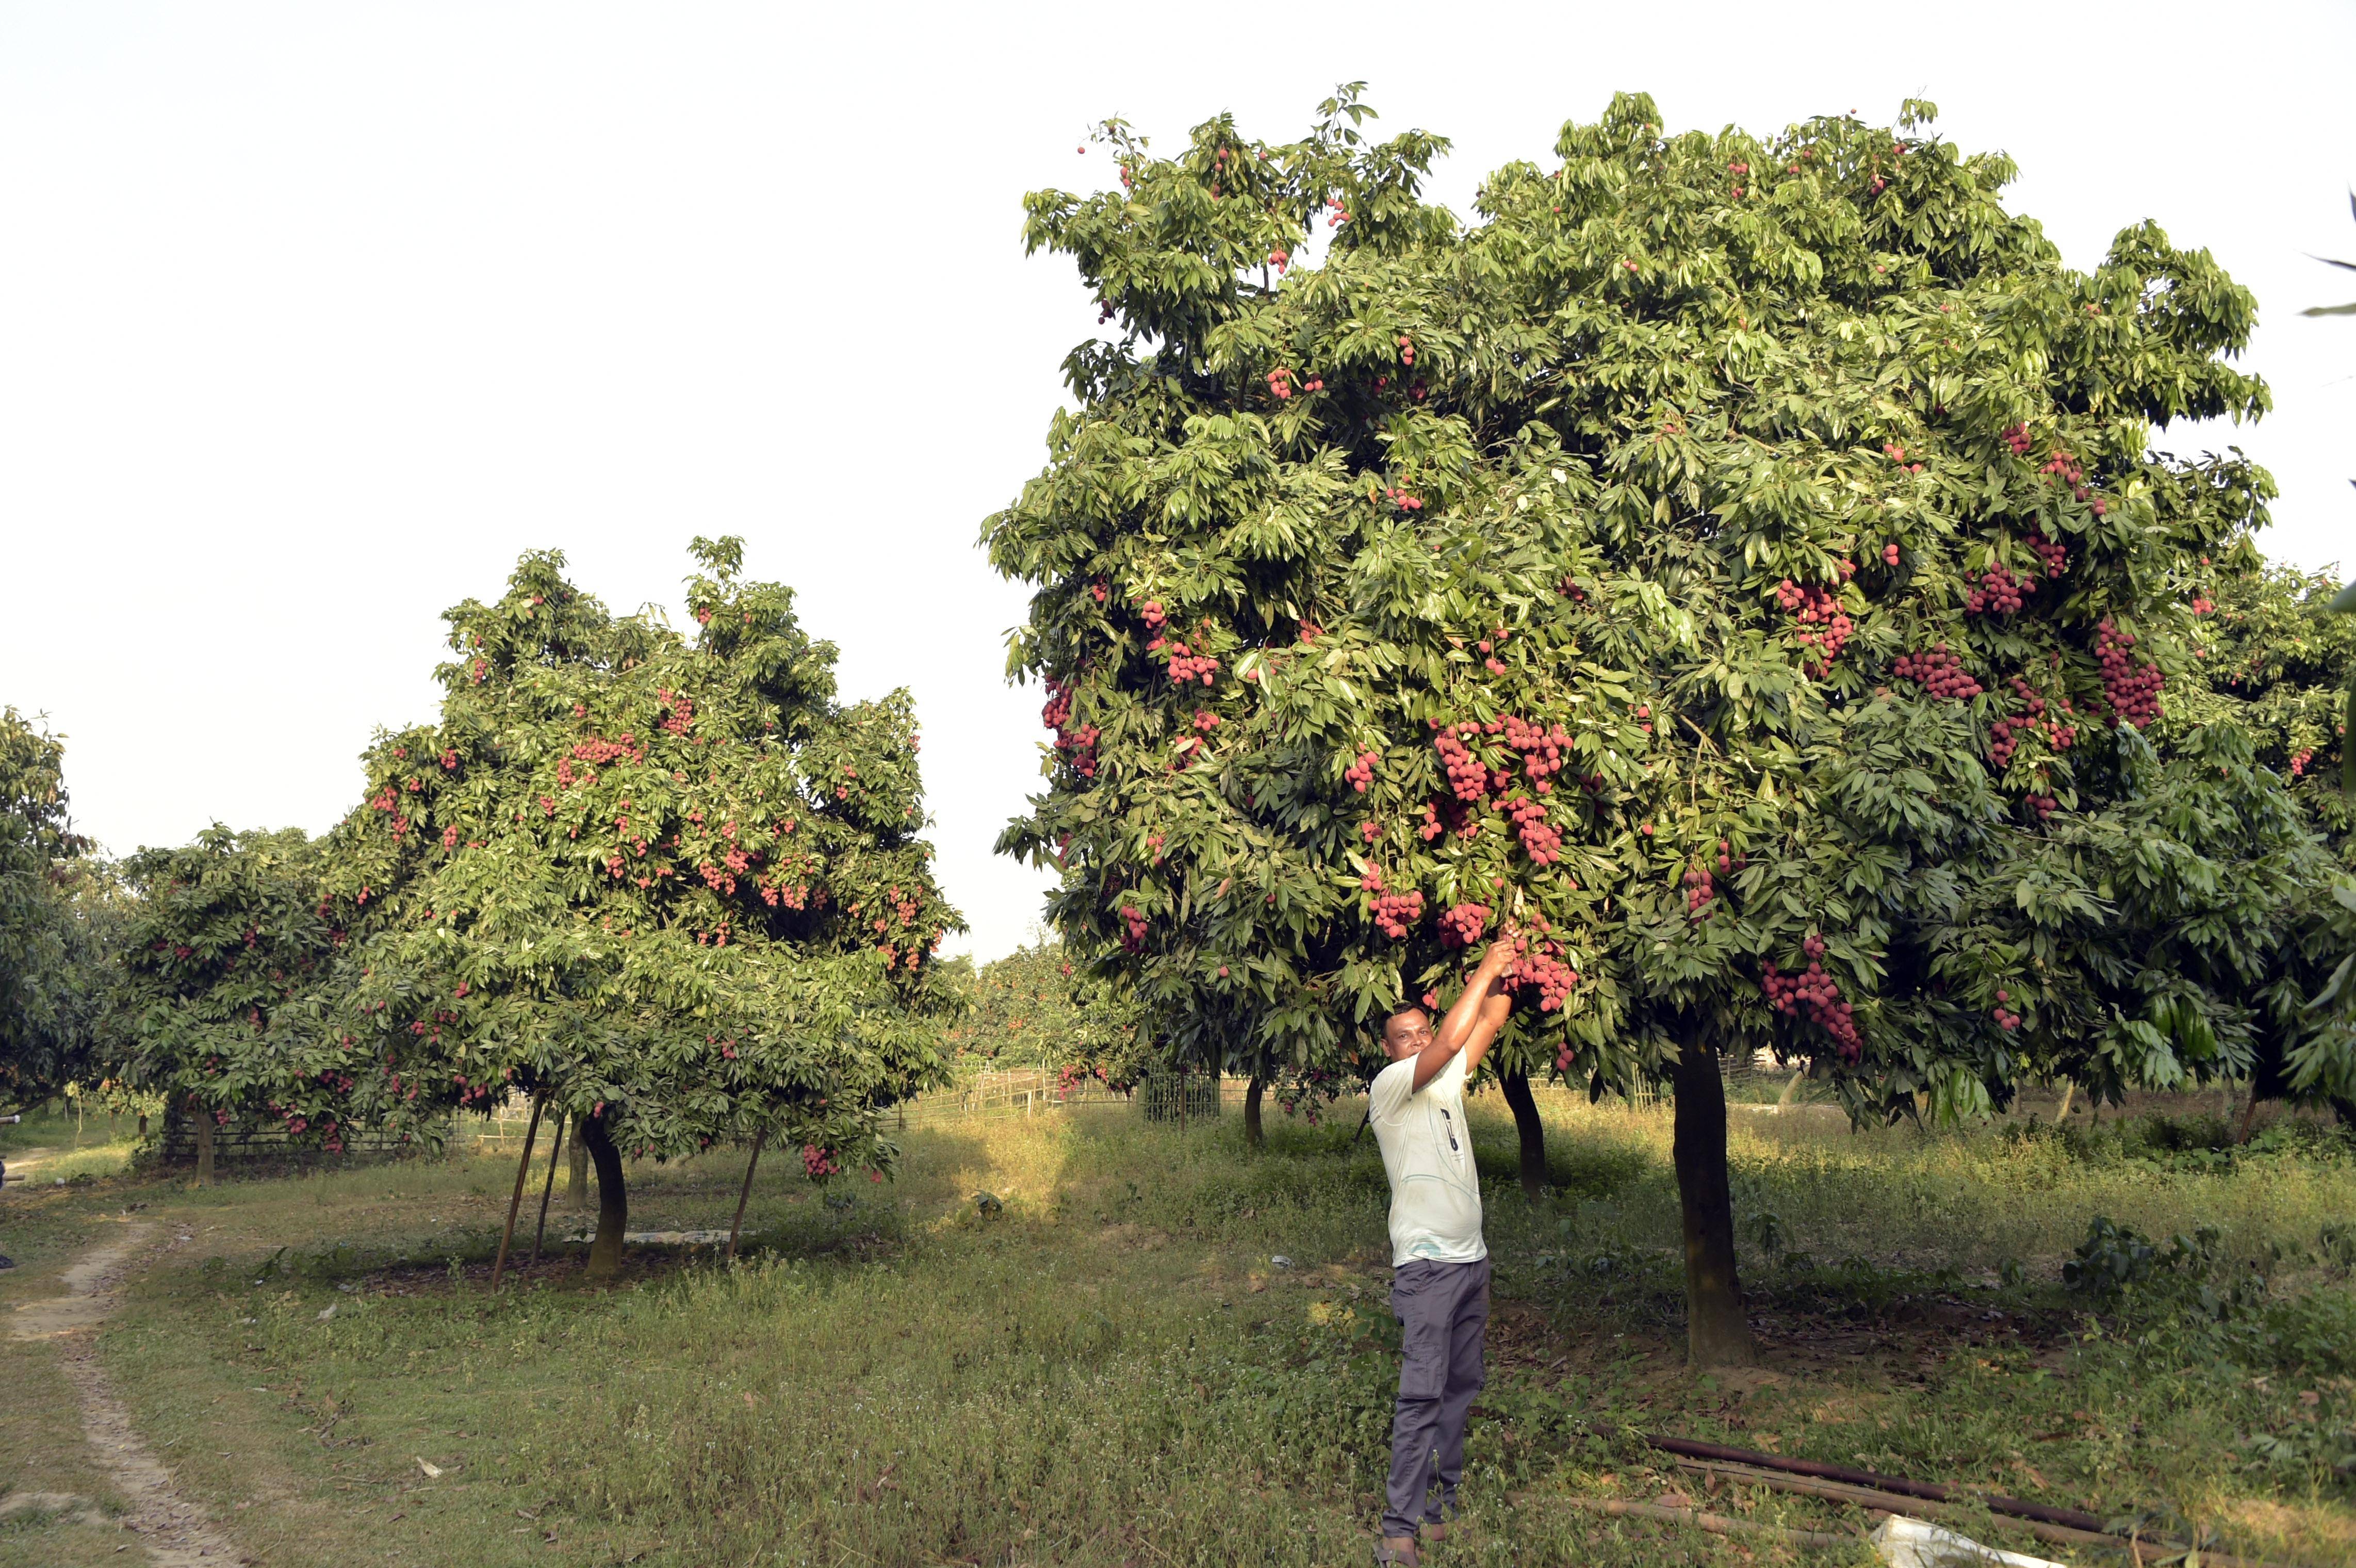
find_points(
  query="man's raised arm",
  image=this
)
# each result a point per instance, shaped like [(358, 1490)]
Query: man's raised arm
[(1476, 1016)]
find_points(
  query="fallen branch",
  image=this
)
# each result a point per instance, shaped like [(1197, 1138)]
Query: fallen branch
[(1886, 1501)]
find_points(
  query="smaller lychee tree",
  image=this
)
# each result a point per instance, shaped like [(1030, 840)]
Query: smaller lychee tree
[(226, 953), (1035, 1008), (2283, 666), (55, 922), (667, 884)]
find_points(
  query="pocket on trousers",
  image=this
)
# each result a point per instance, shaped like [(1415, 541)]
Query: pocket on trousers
[(1422, 1307)]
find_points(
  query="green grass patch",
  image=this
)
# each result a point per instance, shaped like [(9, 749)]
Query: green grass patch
[(1108, 1366)]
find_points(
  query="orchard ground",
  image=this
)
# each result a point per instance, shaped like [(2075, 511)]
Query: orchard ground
[(1108, 1367)]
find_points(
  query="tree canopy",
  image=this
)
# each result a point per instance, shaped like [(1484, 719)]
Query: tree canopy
[(670, 883), (1746, 560)]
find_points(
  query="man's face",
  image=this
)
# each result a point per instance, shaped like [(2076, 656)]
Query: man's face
[(1406, 1033)]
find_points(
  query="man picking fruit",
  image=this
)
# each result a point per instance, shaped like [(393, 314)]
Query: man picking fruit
[(1441, 1287)]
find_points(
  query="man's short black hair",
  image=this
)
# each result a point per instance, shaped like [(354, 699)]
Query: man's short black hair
[(1403, 1007)]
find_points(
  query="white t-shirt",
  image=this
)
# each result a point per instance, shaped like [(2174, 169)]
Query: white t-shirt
[(1428, 1153)]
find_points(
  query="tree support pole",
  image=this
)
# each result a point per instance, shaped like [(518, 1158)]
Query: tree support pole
[(540, 1229), (523, 1169), (747, 1193), (1254, 1137)]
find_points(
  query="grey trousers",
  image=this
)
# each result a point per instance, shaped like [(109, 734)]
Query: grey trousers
[(1444, 1309)]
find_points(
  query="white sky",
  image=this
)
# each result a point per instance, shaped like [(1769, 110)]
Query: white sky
[(312, 316)]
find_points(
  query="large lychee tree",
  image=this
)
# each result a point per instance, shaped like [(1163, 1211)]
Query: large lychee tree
[(668, 886), (1743, 561)]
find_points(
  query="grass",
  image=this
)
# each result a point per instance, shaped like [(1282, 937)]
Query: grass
[(1110, 1368)]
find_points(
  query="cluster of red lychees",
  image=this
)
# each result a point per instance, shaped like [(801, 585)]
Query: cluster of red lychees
[(1078, 745), (1396, 913), (2131, 689), (1818, 994), (1540, 837), (1814, 607), (1999, 593), (1940, 672), (1463, 924), (1540, 966)]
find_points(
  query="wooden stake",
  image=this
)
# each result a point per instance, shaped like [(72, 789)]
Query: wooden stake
[(747, 1193), (541, 1229), (523, 1167)]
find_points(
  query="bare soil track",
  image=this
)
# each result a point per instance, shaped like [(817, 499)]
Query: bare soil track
[(173, 1527)]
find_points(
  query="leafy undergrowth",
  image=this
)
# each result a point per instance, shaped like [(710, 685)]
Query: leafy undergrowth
[(1108, 1366)]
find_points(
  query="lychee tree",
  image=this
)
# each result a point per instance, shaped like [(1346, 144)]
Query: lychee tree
[(53, 922), (669, 885), (2285, 665), (1741, 559), (2281, 667), (1035, 1007), (227, 950)]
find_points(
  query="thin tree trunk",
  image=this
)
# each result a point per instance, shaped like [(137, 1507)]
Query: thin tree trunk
[(1790, 1092), (2249, 1119), (1516, 1086), (737, 1225), (143, 1126), (613, 1201), (576, 1176), (515, 1201), (2069, 1093), (1717, 1334), (204, 1148), (547, 1188), (1254, 1137)]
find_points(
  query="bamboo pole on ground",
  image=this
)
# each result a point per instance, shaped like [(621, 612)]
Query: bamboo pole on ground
[(540, 1229), (523, 1168), (742, 1195)]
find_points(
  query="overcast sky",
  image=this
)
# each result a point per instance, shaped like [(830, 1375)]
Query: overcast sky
[(312, 316)]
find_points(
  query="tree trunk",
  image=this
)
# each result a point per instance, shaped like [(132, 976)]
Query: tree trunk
[(1254, 1137), (2069, 1093), (1790, 1092), (2249, 1119), (1717, 1334), (204, 1148), (613, 1201), (143, 1126), (576, 1175), (736, 1226), (1516, 1086)]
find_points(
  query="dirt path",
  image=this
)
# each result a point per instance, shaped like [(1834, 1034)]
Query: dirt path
[(173, 1527)]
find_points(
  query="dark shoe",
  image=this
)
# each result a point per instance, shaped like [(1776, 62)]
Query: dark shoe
[(1394, 1552)]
